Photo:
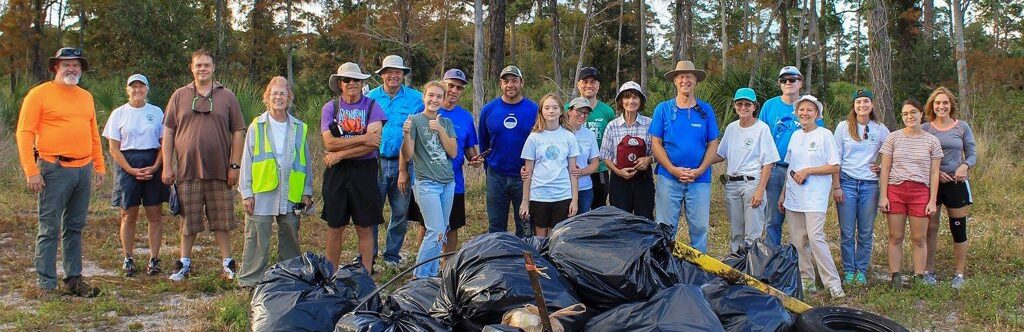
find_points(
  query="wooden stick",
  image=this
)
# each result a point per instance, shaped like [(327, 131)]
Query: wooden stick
[(538, 293)]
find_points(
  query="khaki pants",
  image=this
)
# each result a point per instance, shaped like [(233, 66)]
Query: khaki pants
[(807, 234), (255, 256)]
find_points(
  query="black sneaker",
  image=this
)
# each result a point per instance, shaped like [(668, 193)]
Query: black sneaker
[(78, 287), (896, 281), (154, 267), (129, 267)]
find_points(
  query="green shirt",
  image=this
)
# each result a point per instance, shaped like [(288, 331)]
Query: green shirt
[(596, 122), (429, 158)]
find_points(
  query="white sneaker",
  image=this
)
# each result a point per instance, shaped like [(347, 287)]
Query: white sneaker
[(229, 268), (836, 291), (181, 271)]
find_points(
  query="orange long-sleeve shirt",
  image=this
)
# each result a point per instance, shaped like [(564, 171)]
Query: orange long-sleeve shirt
[(58, 120)]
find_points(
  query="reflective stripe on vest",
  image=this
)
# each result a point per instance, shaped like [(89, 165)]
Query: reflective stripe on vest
[(264, 165)]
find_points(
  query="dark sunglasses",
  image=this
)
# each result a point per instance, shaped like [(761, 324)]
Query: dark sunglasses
[(350, 80), (67, 52), (789, 80), (867, 128)]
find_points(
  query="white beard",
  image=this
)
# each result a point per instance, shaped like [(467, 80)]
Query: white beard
[(71, 79)]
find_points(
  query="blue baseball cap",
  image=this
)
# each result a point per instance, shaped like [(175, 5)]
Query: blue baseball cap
[(745, 94), (138, 77), (790, 71), (456, 74)]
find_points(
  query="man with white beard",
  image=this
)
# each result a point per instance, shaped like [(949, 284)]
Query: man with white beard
[(59, 149)]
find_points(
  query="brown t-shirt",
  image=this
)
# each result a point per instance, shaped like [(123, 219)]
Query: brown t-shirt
[(202, 141)]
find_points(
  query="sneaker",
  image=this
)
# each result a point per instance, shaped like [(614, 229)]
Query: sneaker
[(78, 287), (229, 268), (391, 264), (809, 286), (896, 281), (958, 282), (929, 279), (836, 291), (181, 271), (154, 267), (129, 267), (861, 279), (848, 278)]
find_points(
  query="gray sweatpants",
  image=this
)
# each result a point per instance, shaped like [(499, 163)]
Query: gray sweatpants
[(63, 207), (746, 223), (255, 255)]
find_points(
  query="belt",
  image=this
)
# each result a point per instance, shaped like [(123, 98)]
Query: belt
[(389, 158), (62, 159), (741, 178), (781, 164)]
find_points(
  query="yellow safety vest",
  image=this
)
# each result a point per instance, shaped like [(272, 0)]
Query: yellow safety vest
[(264, 165)]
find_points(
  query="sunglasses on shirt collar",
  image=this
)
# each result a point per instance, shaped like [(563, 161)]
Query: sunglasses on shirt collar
[(195, 97)]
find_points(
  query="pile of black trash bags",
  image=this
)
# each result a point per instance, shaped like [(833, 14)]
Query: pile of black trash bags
[(617, 264)]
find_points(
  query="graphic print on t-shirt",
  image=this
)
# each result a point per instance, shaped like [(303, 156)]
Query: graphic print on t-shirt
[(551, 153), (356, 119), (510, 121), (434, 148)]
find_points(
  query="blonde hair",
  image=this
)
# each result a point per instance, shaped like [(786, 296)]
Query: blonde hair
[(435, 84), (539, 125), (851, 120), (929, 110), (276, 81)]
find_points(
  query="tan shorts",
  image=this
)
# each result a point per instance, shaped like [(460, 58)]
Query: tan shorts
[(215, 196)]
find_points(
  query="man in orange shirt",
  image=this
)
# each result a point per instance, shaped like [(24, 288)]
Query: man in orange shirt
[(59, 148)]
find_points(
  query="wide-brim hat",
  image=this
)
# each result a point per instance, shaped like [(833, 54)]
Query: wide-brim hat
[(630, 85), (686, 67), (348, 69), (393, 61), (68, 53), (812, 99)]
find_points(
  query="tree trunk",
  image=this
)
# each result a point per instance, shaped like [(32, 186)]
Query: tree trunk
[(219, 12), (759, 46), (478, 56), (961, 58), (83, 23), (38, 65), (724, 37), (677, 40), (60, 22), (928, 20), (583, 43), (686, 52), (784, 31), (444, 38), (800, 38), (812, 36), (643, 45), (556, 45), (880, 60), (496, 15), (856, 50), (291, 48), (618, 45)]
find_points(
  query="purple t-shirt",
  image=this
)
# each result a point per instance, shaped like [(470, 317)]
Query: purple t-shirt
[(357, 111)]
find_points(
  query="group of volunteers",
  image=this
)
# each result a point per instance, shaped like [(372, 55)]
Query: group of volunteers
[(547, 161)]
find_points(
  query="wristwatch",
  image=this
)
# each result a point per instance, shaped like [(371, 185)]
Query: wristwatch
[(234, 166)]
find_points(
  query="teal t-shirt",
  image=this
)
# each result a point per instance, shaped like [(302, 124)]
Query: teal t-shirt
[(428, 157), (597, 121)]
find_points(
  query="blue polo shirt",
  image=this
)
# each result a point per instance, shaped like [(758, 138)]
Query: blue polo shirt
[(503, 129), (685, 133), (782, 121), (406, 102), (465, 136)]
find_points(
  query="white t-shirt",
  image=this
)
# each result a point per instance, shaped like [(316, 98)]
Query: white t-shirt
[(806, 150), (746, 150), (135, 128), (550, 151), (278, 138), (587, 141), (856, 157)]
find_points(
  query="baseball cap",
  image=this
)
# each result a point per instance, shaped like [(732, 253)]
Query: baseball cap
[(863, 93), (745, 94), (138, 77), (456, 74), (790, 71), (588, 72), (511, 70), (580, 102)]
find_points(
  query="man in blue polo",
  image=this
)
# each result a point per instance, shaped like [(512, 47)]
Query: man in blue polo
[(398, 102), (781, 118), (505, 122), (684, 134)]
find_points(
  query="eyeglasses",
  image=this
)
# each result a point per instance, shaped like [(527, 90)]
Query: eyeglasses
[(580, 112), (350, 80), (789, 80), (66, 52), (910, 113), (279, 94), (703, 114), (196, 98)]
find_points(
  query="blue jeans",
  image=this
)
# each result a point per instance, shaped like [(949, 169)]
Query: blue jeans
[(501, 191), (585, 198), (435, 200), (773, 232), (63, 208), (387, 181), (673, 196), (857, 220)]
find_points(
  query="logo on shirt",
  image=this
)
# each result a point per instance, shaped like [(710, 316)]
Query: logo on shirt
[(747, 143), (510, 121), (813, 146), (150, 119), (696, 125), (873, 138), (551, 153)]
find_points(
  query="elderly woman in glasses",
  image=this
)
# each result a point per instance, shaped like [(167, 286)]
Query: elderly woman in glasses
[(275, 182)]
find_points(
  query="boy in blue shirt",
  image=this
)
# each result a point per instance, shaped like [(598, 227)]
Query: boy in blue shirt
[(684, 133)]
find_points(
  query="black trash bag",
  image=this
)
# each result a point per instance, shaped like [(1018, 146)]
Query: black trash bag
[(538, 242), (743, 308), (677, 308), (416, 296), (612, 257), (300, 294), (771, 264), (487, 278), (399, 321)]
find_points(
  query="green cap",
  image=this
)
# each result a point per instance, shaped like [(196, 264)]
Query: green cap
[(863, 93), (745, 93)]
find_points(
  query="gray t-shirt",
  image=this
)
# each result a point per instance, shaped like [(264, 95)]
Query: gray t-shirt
[(957, 145), (429, 159)]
